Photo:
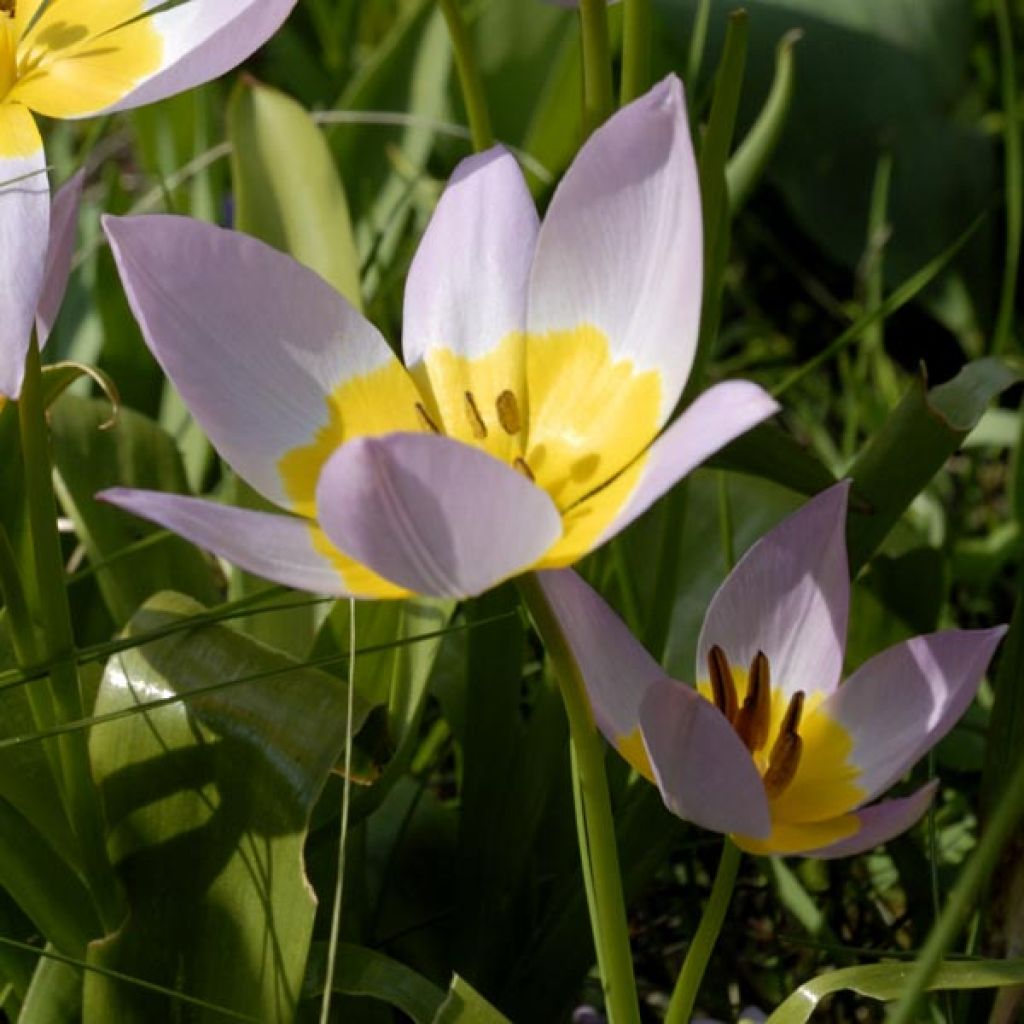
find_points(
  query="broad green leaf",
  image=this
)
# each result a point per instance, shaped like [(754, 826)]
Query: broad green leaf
[(365, 972), (911, 447), (135, 452), (287, 190), (886, 981), (208, 800), (463, 1005)]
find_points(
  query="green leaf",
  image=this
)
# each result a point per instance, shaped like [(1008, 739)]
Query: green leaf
[(912, 446), (463, 1005), (55, 995), (287, 189), (135, 452), (886, 981), (208, 801)]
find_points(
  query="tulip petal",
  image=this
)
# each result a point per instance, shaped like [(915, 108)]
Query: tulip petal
[(281, 548), (94, 58), (901, 702), (465, 297), (433, 515), (718, 416), (274, 364), (881, 822), (705, 773), (789, 597), (616, 668), (63, 228), (24, 228), (620, 252)]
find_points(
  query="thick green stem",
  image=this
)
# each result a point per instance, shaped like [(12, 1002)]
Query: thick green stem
[(58, 646), (598, 97), (684, 996), (636, 49), (597, 828), (469, 76)]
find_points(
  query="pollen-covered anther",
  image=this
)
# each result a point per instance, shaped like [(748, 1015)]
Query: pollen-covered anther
[(723, 686), (521, 465), (476, 421), (753, 721), (8, 7), (425, 419), (508, 413), (786, 750)]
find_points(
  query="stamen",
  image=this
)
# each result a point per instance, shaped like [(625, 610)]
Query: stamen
[(8, 7), (754, 718), (425, 419), (508, 413), (723, 686), (523, 468), (476, 422), (786, 750)]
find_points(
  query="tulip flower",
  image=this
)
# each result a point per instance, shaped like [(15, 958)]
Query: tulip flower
[(769, 748), (542, 362), (77, 58)]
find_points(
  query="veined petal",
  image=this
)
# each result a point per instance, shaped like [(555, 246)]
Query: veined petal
[(880, 822), (901, 702), (712, 421), (275, 365), (616, 668), (789, 597), (705, 773), (63, 227), (94, 58), (620, 255), (465, 299), (432, 514), (281, 548), (24, 231)]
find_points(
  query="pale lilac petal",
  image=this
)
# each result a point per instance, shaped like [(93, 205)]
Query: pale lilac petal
[(620, 249), (254, 341), (433, 515), (901, 702), (202, 39), (705, 773), (276, 547), (24, 231), (63, 229), (879, 823), (466, 289), (616, 668), (789, 597), (718, 416)]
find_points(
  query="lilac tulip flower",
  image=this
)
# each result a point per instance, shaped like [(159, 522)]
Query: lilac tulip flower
[(769, 748), (542, 362), (77, 58)]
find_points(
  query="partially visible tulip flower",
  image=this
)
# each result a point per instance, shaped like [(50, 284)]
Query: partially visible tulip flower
[(770, 748), (77, 58), (543, 362), (63, 220)]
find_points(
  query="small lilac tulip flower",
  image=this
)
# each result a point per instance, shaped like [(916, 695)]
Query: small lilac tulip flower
[(78, 58), (770, 748), (541, 363)]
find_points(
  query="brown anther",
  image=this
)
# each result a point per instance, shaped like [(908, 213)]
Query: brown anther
[(476, 421), (425, 420), (8, 7), (520, 464), (754, 718), (508, 413), (723, 686), (786, 750)]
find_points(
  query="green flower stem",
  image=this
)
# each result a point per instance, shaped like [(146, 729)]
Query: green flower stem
[(636, 49), (680, 1008), (596, 830), (58, 646), (469, 76), (598, 98)]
